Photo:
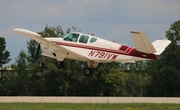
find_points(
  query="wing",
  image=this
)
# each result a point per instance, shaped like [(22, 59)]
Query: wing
[(59, 50)]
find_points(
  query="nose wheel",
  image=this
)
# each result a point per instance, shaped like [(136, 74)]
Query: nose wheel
[(88, 72)]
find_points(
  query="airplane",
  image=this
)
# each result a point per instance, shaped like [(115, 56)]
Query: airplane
[(95, 50)]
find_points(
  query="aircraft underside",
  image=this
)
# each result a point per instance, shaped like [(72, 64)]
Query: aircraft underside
[(90, 63), (60, 64)]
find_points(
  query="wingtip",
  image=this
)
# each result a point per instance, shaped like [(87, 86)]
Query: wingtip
[(14, 30), (17, 29), (25, 32)]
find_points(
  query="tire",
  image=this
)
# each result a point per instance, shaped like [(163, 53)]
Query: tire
[(88, 72), (60, 64)]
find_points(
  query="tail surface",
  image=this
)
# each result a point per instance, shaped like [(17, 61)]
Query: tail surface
[(160, 45), (143, 44)]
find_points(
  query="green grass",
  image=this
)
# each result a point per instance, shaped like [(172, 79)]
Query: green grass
[(88, 106)]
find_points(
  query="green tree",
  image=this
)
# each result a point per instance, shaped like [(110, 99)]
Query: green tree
[(137, 80), (105, 80), (115, 80), (15, 81), (32, 46), (165, 71), (22, 73), (4, 59), (4, 54), (136, 84)]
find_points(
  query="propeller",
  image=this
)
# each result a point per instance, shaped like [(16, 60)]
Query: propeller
[(37, 51), (38, 48)]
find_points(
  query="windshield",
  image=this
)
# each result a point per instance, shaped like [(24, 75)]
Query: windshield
[(63, 35), (73, 37)]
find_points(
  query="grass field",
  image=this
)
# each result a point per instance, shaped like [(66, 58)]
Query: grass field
[(88, 106)]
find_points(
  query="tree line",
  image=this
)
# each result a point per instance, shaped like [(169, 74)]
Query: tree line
[(160, 77)]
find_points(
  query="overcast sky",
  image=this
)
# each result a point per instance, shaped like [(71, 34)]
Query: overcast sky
[(108, 19)]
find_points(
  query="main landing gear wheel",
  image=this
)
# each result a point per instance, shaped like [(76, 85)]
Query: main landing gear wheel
[(88, 72), (41, 65), (60, 64)]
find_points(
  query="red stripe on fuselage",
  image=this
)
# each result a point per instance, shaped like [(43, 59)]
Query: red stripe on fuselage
[(89, 47), (129, 49), (123, 47), (125, 50)]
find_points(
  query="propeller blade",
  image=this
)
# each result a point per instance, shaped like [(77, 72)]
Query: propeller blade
[(37, 51)]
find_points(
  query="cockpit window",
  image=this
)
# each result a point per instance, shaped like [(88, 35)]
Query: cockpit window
[(73, 37), (83, 39), (63, 35), (93, 40)]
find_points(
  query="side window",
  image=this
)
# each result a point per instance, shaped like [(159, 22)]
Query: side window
[(83, 39), (93, 40), (72, 37)]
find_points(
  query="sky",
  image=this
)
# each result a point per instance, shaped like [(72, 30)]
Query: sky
[(109, 19)]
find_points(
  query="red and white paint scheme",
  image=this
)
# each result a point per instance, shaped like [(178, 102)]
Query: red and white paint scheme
[(95, 50)]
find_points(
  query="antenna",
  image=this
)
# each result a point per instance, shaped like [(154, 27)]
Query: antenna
[(127, 41)]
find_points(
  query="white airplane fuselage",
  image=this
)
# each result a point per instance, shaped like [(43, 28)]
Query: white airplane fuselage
[(98, 51)]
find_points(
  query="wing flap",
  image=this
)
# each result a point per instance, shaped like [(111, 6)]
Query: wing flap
[(142, 43)]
